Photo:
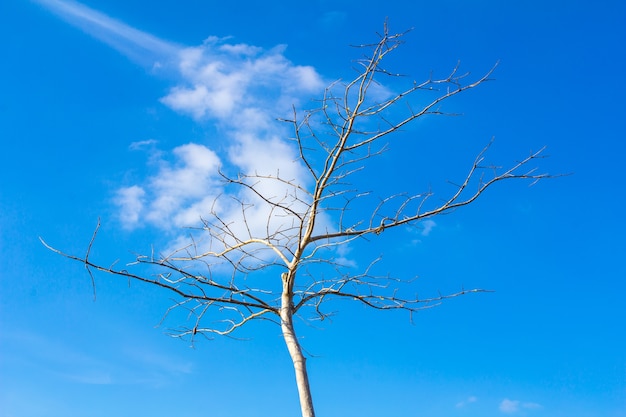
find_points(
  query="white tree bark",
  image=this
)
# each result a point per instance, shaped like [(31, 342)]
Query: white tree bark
[(295, 351)]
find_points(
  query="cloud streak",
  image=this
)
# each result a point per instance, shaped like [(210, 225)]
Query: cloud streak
[(139, 46), (467, 401), (140, 364), (508, 406)]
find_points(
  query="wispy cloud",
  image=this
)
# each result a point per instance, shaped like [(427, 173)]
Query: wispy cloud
[(135, 44), (424, 228), (113, 366), (465, 402), (427, 227), (142, 144), (508, 406)]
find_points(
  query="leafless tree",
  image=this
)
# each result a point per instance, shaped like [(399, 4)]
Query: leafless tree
[(305, 226)]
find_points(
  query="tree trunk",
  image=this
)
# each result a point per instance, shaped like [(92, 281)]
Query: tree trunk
[(295, 351)]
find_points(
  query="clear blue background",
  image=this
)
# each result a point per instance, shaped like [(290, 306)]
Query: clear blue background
[(551, 340)]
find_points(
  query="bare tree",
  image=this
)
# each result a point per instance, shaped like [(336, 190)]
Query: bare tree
[(305, 226)]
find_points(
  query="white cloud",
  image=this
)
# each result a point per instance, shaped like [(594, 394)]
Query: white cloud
[(179, 186), (342, 256), (130, 202), (424, 228), (514, 406), (142, 144), (468, 400), (224, 81), (427, 226), (509, 406)]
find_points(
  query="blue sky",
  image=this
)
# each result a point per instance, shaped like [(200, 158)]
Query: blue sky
[(99, 118)]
